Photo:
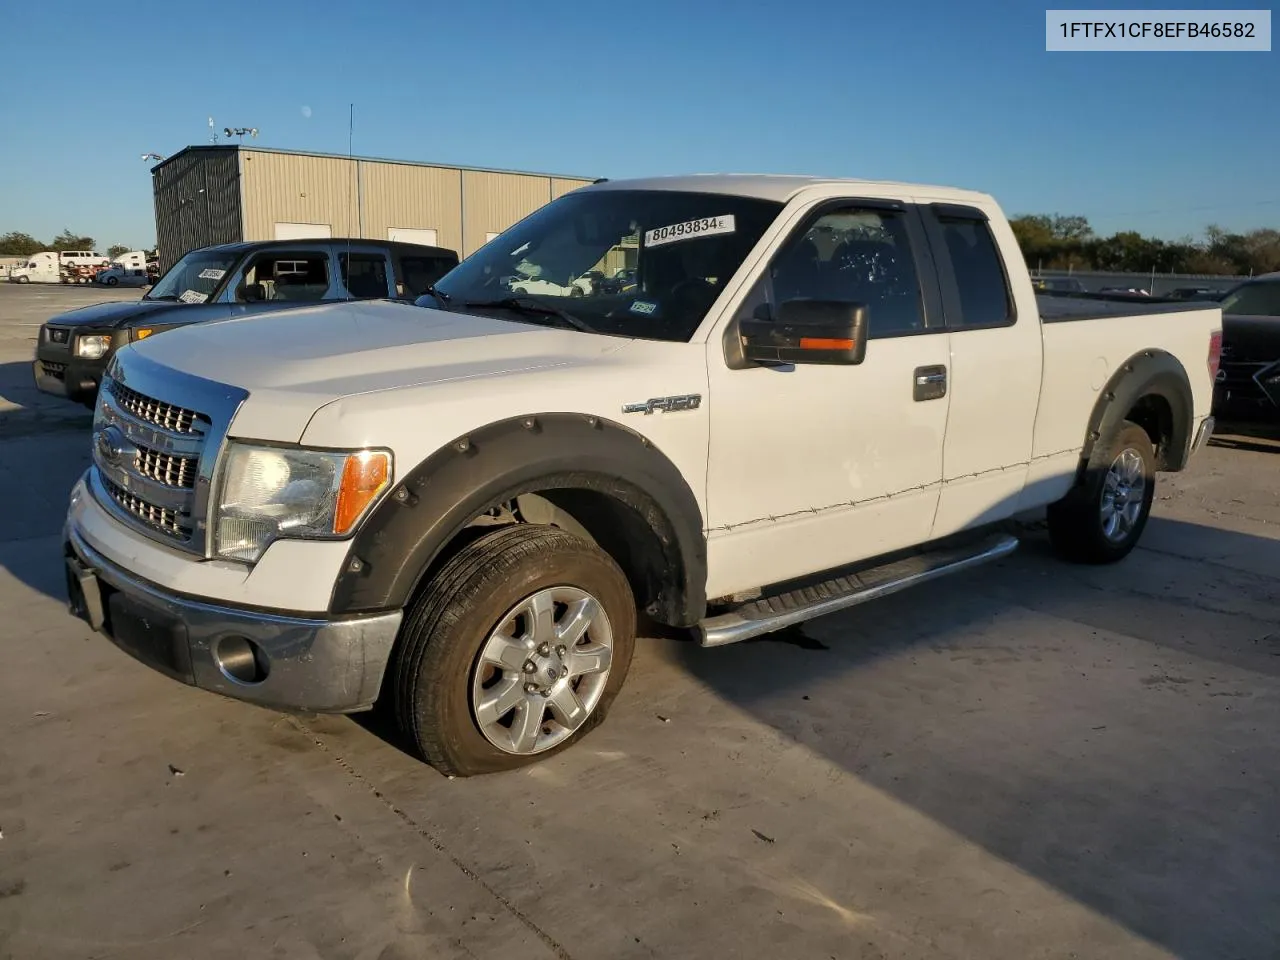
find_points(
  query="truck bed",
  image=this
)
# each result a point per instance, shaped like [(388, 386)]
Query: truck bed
[(1060, 308)]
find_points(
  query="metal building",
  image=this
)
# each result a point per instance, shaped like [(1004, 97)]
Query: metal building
[(227, 193)]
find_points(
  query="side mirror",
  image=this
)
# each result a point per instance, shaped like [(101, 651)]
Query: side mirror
[(807, 331)]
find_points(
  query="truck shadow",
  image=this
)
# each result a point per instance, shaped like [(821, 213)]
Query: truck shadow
[(1106, 730), (25, 411)]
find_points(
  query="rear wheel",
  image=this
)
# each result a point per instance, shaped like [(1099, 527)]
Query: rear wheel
[(514, 651), (1102, 520)]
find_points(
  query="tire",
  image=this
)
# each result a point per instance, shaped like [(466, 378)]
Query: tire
[(24, 279), (1086, 526), (111, 281), (440, 670)]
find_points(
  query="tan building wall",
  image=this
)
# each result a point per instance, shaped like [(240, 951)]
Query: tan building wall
[(368, 198), (294, 188), (492, 202)]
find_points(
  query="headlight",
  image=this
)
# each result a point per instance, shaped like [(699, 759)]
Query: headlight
[(91, 348), (274, 493)]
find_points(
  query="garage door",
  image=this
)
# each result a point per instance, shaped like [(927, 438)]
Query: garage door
[(412, 235), (302, 231)]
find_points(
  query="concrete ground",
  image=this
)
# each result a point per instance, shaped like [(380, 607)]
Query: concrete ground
[(1028, 760), (23, 307)]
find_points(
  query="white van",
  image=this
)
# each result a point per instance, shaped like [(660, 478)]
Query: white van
[(82, 258)]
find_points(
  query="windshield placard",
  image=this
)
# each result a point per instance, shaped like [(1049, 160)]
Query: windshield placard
[(702, 227), (212, 273), (193, 296)]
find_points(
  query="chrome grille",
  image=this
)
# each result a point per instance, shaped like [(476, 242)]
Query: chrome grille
[(170, 522), (149, 410), (170, 469)]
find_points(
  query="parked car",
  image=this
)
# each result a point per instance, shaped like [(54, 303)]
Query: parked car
[(1125, 291), (1248, 382), (121, 276), (1195, 293), (229, 280), (461, 510), (1058, 285)]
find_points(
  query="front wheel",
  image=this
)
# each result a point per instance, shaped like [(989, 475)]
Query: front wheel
[(111, 281), (1102, 520), (514, 651)]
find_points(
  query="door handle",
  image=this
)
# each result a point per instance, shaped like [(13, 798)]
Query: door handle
[(930, 383)]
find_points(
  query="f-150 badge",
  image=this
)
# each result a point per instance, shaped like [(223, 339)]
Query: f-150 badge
[(688, 401)]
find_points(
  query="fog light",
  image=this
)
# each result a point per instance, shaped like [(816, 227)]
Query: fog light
[(241, 660)]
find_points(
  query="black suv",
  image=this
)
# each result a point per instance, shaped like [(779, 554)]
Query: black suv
[(1248, 386), (229, 280)]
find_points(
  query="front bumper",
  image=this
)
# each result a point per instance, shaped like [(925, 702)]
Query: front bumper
[(274, 660), (63, 375)]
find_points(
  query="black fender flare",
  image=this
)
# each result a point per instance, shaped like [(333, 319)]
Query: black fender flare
[(1149, 373), (400, 541)]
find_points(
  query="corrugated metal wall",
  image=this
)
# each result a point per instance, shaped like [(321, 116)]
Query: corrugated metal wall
[(295, 188), (491, 202), (413, 197), (197, 202), (357, 198)]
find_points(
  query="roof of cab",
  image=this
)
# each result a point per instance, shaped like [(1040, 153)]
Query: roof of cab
[(781, 187), (403, 246)]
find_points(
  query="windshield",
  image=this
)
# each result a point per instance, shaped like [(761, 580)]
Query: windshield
[(645, 264), (1254, 300), (193, 278)]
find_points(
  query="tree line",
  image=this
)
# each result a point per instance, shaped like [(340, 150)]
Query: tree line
[(17, 244), (1059, 242)]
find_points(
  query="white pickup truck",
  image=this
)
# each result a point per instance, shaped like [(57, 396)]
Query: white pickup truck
[(817, 392)]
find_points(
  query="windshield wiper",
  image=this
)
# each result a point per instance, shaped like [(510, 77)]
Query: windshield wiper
[(149, 297), (529, 306)]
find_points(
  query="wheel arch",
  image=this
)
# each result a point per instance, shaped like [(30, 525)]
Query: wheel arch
[(1152, 389), (614, 483)]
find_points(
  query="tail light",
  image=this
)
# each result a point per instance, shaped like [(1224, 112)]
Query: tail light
[(1215, 354)]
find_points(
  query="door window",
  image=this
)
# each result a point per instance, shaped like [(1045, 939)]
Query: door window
[(855, 255), (296, 277)]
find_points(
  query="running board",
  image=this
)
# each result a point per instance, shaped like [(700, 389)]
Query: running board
[(788, 609)]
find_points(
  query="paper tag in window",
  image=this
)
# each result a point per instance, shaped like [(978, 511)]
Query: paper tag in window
[(193, 296), (705, 227), (212, 273), (643, 307)]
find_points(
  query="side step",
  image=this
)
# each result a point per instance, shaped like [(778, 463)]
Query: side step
[(787, 609)]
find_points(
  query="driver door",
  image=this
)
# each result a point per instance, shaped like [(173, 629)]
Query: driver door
[(814, 466)]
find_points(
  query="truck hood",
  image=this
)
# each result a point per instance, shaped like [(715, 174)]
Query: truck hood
[(295, 362), (114, 314)]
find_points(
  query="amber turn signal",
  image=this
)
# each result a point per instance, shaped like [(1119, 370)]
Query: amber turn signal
[(825, 343), (365, 475), (142, 333)]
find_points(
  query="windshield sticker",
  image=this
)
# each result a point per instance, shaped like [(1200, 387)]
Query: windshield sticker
[(643, 306), (212, 273), (705, 227), (193, 296)]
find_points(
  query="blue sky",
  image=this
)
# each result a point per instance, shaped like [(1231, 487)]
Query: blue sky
[(943, 92)]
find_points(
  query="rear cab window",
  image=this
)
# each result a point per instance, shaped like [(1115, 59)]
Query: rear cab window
[(971, 269)]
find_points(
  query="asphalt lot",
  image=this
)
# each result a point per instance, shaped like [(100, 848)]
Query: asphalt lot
[(1028, 760)]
